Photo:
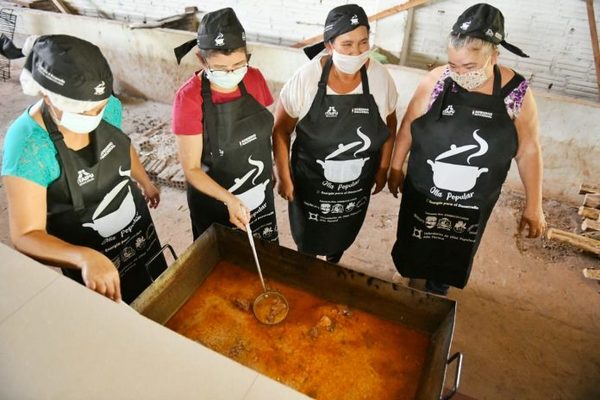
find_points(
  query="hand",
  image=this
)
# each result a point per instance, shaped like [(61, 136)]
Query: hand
[(285, 188), (395, 181), (239, 215), (534, 220), (380, 178), (100, 274), (151, 194)]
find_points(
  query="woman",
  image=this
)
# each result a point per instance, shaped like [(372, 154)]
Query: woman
[(465, 123), (224, 132), (342, 108), (68, 169)]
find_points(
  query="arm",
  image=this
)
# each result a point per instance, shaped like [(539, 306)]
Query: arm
[(282, 132), (27, 220), (529, 162), (190, 156), (150, 191), (386, 153), (416, 108)]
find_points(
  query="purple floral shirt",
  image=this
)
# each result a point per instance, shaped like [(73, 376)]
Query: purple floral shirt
[(513, 101)]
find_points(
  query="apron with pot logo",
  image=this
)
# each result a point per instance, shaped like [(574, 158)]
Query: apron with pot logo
[(237, 155), (461, 152), (334, 160), (94, 203)]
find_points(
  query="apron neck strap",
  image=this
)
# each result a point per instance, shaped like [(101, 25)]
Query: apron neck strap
[(497, 81), (208, 112), (66, 159), (325, 76)]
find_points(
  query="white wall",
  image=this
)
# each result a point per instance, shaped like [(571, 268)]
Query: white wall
[(143, 63), (554, 33)]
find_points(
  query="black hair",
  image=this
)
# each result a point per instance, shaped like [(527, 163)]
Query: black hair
[(207, 53)]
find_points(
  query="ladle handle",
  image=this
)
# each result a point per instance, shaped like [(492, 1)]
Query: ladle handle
[(251, 240)]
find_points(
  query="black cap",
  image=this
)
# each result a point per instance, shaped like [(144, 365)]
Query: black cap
[(220, 30), (485, 22), (71, 67), (340, 20)]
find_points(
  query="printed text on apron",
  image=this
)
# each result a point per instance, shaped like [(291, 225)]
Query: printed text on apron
[(94, 203), (461, 152), (334, 160)]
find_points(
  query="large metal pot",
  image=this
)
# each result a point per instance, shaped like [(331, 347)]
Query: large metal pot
[(432, 314)]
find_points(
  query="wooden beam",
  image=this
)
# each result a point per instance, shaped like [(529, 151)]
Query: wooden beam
[(591, 200), (587, 188), (375, 17), (579, 241), (61, 6), (590, 213), (590, 225), (594, 34)]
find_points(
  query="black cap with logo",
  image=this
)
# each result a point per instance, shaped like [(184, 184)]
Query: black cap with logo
[(70, 67), (340, 20), (220, 29), (485, 22)]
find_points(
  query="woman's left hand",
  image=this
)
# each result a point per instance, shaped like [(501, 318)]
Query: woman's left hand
[(534, 220), (151, 194), (380, 180)]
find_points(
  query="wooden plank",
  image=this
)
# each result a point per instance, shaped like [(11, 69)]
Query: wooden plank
[(591, 273), (594, 35), (590, 213), (579, 241), (592, 201), (375, 17), (590, 225), (589, 188), (61, 7)]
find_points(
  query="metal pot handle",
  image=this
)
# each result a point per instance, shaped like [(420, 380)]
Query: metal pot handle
[(162, 249), (454, 389)]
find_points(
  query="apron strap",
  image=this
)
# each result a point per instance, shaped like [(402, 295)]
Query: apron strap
[(322, 90), (65, 159), (438, 104), (209, 110), (497, 81)]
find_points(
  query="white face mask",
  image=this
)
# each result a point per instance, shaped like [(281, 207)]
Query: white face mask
[(226, 79), (349, 64), (80, 123), (472, 79)]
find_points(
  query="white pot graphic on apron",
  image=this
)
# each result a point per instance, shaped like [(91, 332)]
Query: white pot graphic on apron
[(458, 177), (111, 224), (342, 171), (254, 197)]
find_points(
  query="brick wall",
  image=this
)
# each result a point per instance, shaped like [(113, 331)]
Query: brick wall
[(554, 33)]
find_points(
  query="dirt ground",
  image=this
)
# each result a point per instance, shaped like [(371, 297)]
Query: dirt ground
[(528, 323)]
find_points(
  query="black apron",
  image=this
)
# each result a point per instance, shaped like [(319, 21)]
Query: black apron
[(461, 153), (94, 203), (334, 160), (237, 155)]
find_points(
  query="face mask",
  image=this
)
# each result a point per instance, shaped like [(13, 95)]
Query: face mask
[(226, 79), (79, 123), (349, 64), (472, 79)]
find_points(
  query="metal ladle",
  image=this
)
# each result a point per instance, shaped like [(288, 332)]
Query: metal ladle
[(270, 307)]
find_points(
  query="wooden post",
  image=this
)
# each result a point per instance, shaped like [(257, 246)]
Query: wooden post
[(375, 17), (594, 34), (61, 6)]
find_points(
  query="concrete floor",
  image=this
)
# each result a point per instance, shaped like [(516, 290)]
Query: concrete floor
[(528, 323)]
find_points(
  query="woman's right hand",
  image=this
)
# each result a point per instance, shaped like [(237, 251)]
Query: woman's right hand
[(100, 274), (239, 215), (395, 181), (285, 188)]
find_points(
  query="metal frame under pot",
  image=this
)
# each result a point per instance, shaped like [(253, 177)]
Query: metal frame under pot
[(415, 309)]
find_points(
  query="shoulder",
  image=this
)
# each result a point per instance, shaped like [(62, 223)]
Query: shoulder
[(257, 86), (189, 91), (308, 73), (29, 152), (113, 113)]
